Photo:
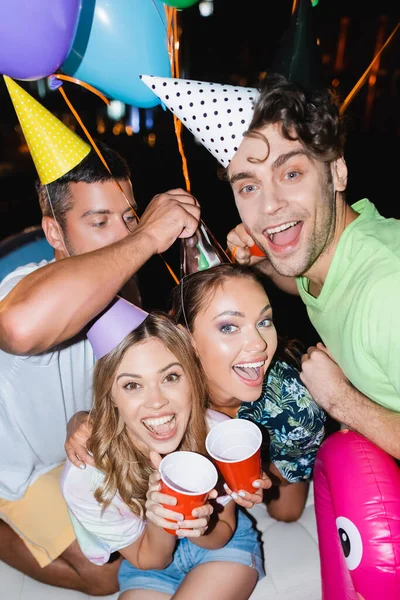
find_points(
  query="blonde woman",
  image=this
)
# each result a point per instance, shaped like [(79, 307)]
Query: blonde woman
[(149, 400)]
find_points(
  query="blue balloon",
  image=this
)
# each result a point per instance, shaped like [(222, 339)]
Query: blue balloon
[(116, 41)]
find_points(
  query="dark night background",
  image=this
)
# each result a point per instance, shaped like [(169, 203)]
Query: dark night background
[(234, 45)]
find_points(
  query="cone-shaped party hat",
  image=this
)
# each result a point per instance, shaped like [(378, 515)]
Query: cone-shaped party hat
[(298, 55), (216, 114), (200, 252), (55, 149), (113, 326)]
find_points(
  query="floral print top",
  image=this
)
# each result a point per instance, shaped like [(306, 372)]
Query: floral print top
[(294, 421)]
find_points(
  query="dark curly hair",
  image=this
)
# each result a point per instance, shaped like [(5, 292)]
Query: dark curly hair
[(312, 117)]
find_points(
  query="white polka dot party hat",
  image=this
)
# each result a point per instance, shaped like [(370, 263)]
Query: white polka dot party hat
[(216, 114), (55, 149)]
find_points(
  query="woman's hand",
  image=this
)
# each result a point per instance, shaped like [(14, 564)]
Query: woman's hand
[(167, 517), (78, 433), (198, 526), (246, 499)]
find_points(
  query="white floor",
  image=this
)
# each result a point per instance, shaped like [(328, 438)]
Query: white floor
[(291, 564)]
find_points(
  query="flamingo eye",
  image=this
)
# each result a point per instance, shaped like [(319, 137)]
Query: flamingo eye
[(351, 541)]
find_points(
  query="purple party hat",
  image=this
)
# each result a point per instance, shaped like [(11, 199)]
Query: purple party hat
[(113, 326)]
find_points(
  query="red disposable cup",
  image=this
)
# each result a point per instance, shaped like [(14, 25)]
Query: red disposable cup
[(189, 477), (234, 446)]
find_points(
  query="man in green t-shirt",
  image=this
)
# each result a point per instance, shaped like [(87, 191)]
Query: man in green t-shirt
[(289, 179)]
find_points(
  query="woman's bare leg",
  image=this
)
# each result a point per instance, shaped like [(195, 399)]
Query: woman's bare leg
[(217, 581), (143, 595), (290, 503)]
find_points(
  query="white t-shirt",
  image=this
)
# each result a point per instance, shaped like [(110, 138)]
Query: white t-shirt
[(38, 396), (101, 532)]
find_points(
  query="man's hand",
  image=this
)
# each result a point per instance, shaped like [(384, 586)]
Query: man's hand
[(324, 379), (78, 433), (174, 214), (239, 244)]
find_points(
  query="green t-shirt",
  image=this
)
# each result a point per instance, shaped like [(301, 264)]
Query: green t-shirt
[(357, 313)]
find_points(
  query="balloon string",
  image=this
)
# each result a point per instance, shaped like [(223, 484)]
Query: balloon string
[(364, 76), (77, 117), (83, 84), (176, 43), (173, 51), (171, 271)]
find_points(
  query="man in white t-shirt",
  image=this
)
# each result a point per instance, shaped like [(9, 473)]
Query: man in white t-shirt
[(46, 362)]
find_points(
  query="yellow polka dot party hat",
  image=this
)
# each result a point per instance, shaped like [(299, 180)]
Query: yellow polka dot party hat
[(55, 149)]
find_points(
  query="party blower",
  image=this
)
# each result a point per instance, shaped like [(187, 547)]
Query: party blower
[(255, 250), (234, 446), (189, 477)]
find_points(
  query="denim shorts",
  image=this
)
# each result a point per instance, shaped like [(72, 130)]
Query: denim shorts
[(243, 548)]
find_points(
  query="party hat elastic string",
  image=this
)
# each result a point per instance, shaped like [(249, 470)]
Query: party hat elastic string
[(55, 220)]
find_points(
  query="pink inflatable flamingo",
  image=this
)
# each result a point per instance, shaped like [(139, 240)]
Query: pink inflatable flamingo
[(357, 504)]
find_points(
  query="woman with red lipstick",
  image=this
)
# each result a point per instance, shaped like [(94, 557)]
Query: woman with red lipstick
[(251, 376), (150, 400)]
